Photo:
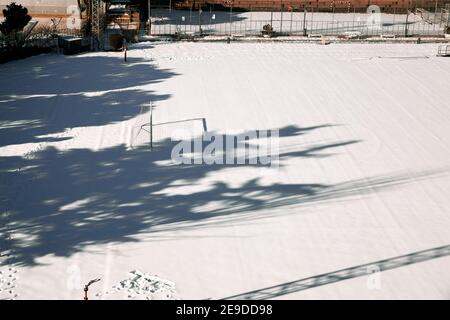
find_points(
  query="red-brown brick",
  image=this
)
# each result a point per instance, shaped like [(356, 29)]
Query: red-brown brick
[(326, 5)]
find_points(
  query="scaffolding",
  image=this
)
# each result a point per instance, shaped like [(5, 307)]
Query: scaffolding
[(97, 14)]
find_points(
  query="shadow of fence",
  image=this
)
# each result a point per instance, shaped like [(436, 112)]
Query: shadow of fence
[(343, 274)]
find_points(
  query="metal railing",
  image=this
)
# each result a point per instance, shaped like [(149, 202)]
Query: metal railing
[(295, 27), (444, 51), (47, 39)]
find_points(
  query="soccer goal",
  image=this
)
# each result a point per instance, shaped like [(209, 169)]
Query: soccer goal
[(144, 129)]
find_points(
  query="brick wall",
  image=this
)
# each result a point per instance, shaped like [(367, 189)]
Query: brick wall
[(324, 5)]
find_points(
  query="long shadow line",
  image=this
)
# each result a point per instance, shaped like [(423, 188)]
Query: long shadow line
[(343, 274), (178, 121)]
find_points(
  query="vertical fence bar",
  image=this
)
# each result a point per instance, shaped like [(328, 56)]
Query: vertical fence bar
[(304, 23), (290, 27), (231, 14)]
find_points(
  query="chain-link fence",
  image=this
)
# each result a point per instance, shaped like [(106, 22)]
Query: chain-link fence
[(170, 22), (440, 16), (42, 38)]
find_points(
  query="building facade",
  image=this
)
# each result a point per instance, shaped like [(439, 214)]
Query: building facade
[(44, 7), (324, 5), (59, 7)]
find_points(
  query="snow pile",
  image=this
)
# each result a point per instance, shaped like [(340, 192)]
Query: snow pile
[(143, 285)]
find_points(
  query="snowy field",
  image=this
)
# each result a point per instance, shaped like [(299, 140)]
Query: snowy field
[(362, 184)]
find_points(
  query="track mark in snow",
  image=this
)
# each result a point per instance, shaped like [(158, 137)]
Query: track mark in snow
[(404, 58), (108, 265), (8, 274), (8, 278), (140, 285)]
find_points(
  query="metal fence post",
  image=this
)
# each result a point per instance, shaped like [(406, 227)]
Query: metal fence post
[(200, 19), (406, 24), (290, 28), (304, 22), (231, 15)]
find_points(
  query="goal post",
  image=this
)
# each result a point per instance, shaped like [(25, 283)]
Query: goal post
[(142, 131)]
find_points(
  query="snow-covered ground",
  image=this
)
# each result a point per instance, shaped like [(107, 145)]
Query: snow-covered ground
[(363, 173)]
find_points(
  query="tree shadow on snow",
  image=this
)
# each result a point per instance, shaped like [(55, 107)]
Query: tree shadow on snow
[(65, 92), (65, 201)]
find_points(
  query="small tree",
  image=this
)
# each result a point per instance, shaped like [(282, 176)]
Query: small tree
[(267, 30), (16, 18)]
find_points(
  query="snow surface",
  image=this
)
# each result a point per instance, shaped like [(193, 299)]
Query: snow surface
[(363, 175)]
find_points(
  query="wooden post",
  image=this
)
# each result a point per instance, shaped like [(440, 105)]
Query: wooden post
[(124, 45), (86, 288)]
